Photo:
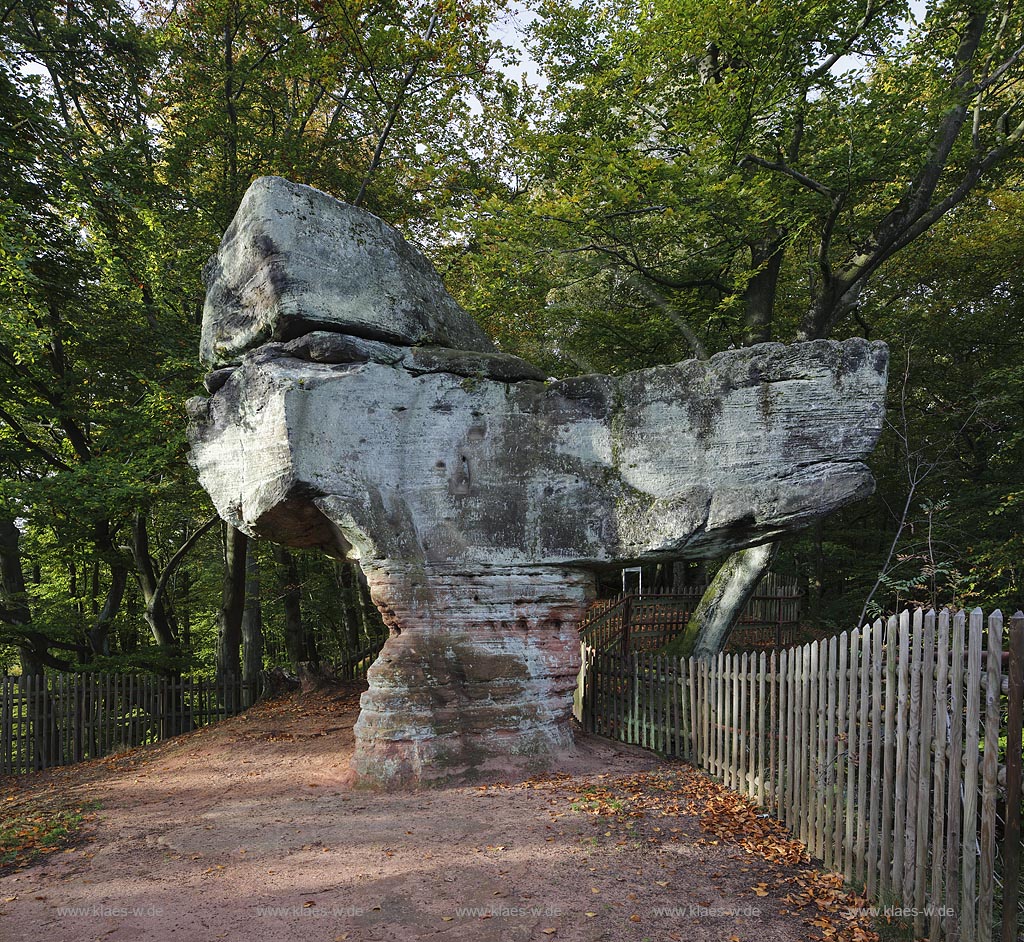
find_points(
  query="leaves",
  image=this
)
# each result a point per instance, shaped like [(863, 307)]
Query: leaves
[(644, 805), (33, 827)]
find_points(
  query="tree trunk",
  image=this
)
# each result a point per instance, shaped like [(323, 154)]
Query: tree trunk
[(184, 608), (723, 603), (34, 653), (99, 634), (13, 597), (294, 639), (351, 610), (766, 258), (815, 587), (252, 626), (232, 608), (157, 615)]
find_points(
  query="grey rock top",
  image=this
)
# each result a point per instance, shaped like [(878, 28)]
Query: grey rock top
[(295, 260), (363, 409)]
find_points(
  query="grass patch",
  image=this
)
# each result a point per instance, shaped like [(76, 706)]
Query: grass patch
[(31, 830)]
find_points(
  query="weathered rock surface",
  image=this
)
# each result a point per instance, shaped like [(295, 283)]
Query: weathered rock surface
[(295, 259), (480, 499)]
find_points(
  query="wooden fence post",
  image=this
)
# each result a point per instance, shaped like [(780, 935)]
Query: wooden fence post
[(1012, 835), (849, 815), (927, 725), (939, 778), (956, 771), (877, 756)]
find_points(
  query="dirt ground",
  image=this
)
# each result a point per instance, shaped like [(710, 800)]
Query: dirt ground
[(252, 830)]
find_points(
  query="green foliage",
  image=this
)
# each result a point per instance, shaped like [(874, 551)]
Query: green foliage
[(685, 177), (129, 137), (694, 176)]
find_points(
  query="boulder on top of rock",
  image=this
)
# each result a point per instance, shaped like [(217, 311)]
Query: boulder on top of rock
[(295, 260)]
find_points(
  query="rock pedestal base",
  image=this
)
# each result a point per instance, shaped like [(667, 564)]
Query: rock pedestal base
[(477, 674)]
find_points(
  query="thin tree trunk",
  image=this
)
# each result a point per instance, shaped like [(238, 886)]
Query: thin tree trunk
[(13, 597), (815, 588), (185, 608), (252, 624), (33, 652), (157, 614), (718, 611), (99, 634), (229, 623), (294, 639), (766, 258)]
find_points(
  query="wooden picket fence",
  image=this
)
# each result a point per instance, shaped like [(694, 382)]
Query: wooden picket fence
[(893, 751), (65, 718), (646, 622)]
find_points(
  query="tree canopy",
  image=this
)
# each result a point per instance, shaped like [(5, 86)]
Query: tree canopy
[(666, 179)]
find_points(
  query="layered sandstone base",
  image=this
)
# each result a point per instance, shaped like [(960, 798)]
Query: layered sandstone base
[(478, 672)]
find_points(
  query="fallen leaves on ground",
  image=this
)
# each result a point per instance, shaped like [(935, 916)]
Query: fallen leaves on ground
[(639, 804), (30, 831)]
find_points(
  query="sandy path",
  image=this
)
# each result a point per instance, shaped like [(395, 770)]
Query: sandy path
[(251, 831)]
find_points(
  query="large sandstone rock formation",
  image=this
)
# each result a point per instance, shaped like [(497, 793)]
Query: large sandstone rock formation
[(358, 409)]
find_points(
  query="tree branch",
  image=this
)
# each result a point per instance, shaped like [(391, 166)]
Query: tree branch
[(393, 116), (175, 560), (783, 168)]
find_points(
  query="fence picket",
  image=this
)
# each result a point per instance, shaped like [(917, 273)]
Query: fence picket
[(890, 649), (692, 745), (828, 822), (969, 824), (1014, 760), (900, 783), (813, 781), (803, 717), (956, 771), (795, 722), (761, 767), (782, 786), (821, 770), (842, 754), (27, 724), (793, 782), (707, 754), (913, 755), (720, 728), (851, 756), (773, 732), (926, 725), (741, 727), (863, 739), (990, 771), (939, 771), (877, 756)]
